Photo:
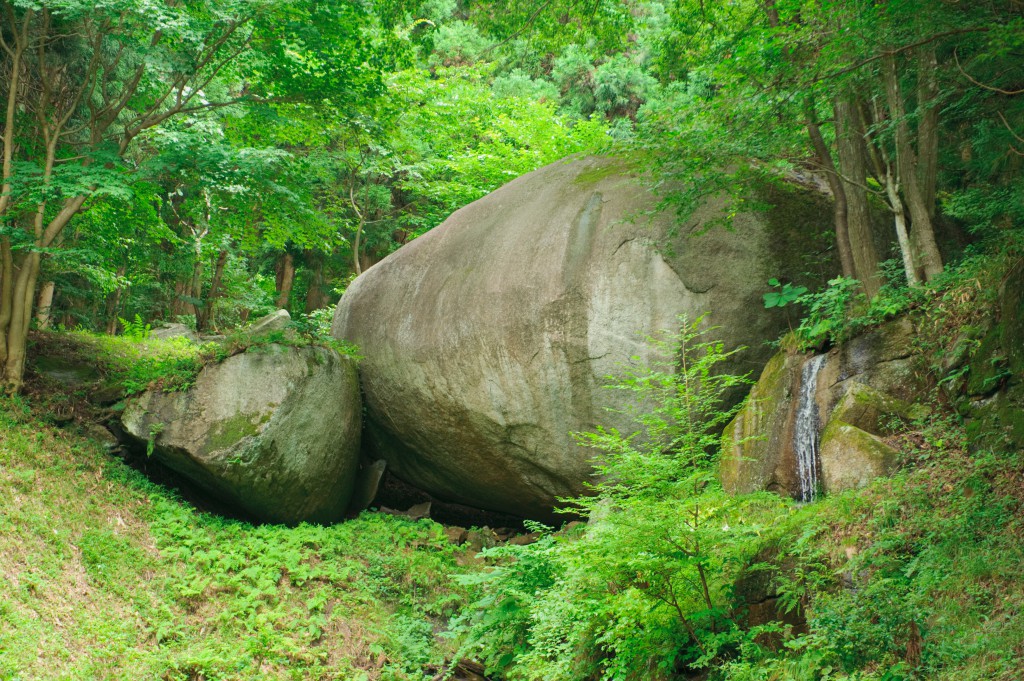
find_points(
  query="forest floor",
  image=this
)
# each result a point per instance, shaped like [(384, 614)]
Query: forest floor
[(105, 574)]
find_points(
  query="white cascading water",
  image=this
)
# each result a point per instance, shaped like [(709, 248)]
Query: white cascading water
[(805, 435)]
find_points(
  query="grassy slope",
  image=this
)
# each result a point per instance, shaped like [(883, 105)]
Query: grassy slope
[(104, 575), (916, 576)]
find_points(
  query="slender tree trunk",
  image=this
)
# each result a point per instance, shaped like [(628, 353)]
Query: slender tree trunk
[(851, 146), (285, 280), (208, 321), (6, 295), (920, 206), (44, 304), (899, 217), (195, 287), (928, 124), (356, 261), (887, 175), (839, 215), (113, 306), (22, 297)]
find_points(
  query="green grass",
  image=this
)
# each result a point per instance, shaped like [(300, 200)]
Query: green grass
[(105, 575)]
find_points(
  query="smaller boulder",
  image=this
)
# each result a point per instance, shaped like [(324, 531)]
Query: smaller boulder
[(367, 485), (275, 321), (273, 433), (882, 358), (174, 330), (868, 409), (851, 458)]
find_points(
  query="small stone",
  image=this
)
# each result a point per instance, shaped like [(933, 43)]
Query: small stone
[(524, 539), (456, 535), (174, 330)]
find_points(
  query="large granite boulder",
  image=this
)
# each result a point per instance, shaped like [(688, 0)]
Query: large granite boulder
[(273, 432), (487, 341)]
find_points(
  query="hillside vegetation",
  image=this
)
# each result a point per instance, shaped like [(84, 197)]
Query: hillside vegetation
[(202, 164), (106, 575)]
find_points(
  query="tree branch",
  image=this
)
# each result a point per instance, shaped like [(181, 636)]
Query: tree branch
[(966, 75), (893, 52), (1015, 135)]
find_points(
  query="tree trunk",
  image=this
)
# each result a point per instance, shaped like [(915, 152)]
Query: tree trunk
[(6, 295), (356, 242), (113, 307), (920, 206), (851, 146), (366, 261), (195, 288), (839, 214), (22, 295), (928, 125), (178, 304), (896, 205), (285, 280), (44, 304), (207, 320), (316, 296)]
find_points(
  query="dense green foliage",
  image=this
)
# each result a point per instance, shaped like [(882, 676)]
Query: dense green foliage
[(911, 578), (208, 162), (645, 590), (105, 575), (297, 167)]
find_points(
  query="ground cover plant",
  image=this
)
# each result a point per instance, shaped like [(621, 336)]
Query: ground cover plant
[(106, 575)]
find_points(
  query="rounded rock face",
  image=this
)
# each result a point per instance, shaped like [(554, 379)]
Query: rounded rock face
[(274, 432), (487, 341)]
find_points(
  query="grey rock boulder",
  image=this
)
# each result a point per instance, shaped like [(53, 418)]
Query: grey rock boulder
[(274, 433), (275, 321), (174, 330), (487, 341)]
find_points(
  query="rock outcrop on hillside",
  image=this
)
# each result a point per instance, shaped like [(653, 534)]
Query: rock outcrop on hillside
[(273, 432), (487, 341), (862, 384), (989, 390)]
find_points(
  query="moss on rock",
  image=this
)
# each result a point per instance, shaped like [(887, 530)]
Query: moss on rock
[(755, 443), (274, 433), (851, 457)]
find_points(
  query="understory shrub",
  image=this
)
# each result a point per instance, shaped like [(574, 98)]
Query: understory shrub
[(644, 590)]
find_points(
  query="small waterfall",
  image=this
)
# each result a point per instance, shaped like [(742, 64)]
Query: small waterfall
[(805, 435)]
